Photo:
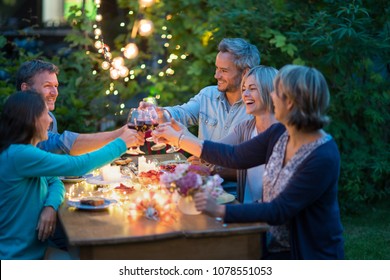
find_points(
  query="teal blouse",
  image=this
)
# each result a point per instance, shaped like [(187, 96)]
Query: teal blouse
[(28, 183)]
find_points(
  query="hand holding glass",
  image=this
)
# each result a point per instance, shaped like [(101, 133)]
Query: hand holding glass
[(167, 116), (165, 127), (136, 120), (156, 118)]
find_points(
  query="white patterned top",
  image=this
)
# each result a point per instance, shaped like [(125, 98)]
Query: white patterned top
[(276, 179)]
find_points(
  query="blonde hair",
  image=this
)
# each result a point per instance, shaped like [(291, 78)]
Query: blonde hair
[(264, 78)]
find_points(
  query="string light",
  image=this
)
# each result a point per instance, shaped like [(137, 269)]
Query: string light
[(146, 3), (130, 51), (116, 66), (105, 65), (145, 27), (141, 26), (114, 73)]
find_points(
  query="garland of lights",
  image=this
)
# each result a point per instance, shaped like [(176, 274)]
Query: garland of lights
[(141, 26)]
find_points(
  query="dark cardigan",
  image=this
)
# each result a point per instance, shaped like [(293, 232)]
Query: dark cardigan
[(308, 203)]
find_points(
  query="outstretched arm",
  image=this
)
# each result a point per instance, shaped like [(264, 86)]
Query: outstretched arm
[(243, 156), (89, 142), (175, 134)]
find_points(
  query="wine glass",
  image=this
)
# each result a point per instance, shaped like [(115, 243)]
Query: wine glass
[(167, 118), (136, 120), (152, 100), (156, 118)]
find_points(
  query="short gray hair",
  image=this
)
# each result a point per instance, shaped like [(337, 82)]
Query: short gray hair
[(246, 55), (308, 90)]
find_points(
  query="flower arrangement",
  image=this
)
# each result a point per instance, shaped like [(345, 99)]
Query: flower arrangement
[(187, 179)]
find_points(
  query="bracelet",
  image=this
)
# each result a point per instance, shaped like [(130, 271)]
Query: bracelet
[(179, 140), (169, 113)]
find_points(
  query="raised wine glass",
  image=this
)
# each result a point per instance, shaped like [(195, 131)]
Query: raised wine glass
[(152, 100), (136, 120), (156, 118), (167, 118)]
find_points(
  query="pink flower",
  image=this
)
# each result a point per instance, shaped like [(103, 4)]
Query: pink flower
[(199, 169), (188, 184), (188, 179)]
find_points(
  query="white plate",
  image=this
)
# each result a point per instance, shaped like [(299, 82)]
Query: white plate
[(74, 180), (78, 205), (225, 198), (98, 180)]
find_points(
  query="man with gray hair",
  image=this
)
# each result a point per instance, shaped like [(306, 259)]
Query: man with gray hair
[(218, 108)]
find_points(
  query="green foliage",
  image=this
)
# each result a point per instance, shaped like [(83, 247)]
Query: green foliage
[(82, 103), (348, 41), (10, 58), (344, 43)]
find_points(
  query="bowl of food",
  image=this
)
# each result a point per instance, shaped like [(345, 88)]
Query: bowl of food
[(123, 189), (150, 177)]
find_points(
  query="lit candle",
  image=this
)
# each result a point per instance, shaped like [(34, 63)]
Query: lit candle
[(144, 166), (111, 173)]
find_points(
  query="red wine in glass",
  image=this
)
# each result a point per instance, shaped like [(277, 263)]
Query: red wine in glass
[(135, 120), (155, 119)]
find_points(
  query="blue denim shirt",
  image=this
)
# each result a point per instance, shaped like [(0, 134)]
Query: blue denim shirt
[(58, 143), (209, 109)]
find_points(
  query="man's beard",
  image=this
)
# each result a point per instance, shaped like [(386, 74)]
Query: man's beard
[(232, 87)]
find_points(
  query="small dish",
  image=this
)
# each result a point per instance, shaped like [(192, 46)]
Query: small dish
[(225, 198), (98, 180), (74, 179), (124, 161), (78, 205)]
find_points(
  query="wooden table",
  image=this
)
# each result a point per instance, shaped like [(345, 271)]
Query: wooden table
[(111, 234)]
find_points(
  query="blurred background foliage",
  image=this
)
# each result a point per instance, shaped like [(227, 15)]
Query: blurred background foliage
[(348, 41)]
